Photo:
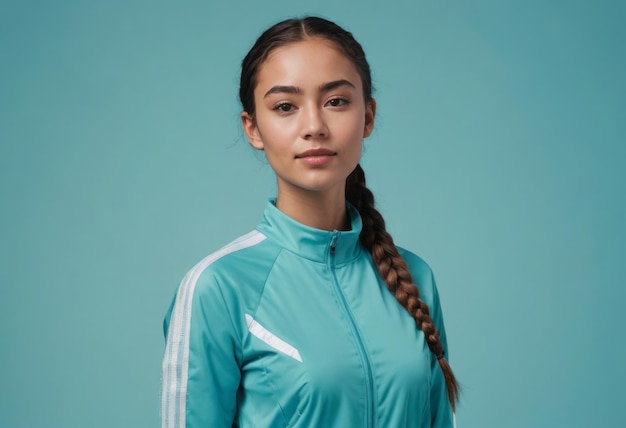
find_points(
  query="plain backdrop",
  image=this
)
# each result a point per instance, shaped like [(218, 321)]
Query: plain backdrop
[(498, 156)]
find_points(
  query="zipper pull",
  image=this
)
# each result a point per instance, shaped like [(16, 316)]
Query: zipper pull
[(333, 242)]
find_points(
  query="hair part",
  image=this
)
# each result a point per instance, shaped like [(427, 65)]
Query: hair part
[(374, 236)]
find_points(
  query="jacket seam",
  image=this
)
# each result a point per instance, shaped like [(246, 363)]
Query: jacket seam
[(355, 259), (262, 291), (247, 332)]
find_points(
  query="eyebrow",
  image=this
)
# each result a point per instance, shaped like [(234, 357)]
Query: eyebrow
[(336, 84), (281, 89)]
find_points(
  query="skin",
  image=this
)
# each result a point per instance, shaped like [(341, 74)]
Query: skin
[(310, 119)]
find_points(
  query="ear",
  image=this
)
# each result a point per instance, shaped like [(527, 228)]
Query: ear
[(252, 132), (370, 114)]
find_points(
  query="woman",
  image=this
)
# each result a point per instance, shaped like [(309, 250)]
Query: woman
[(313, 319)]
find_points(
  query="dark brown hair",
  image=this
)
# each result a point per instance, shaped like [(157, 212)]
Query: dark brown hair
[(374, 236)]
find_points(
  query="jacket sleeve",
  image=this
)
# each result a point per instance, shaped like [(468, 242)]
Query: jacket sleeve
[(440, 409), (201, 364)]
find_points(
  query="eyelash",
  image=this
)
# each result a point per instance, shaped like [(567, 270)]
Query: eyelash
[(279, 107), (342, 102)]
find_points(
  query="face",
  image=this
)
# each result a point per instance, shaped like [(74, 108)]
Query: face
[(310, 116)]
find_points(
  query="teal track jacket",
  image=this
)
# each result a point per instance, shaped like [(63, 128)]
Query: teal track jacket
[(290, 326)]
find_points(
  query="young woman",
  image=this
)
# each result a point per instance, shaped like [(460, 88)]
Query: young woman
[(315, 318)]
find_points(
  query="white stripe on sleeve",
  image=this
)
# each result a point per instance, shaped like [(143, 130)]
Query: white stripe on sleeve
[(176, 359)]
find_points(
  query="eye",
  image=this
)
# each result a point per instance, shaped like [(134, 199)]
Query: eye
[(283, 107), (338, 102)]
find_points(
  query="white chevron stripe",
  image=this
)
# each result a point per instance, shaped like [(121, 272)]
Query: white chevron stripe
[(268, 337)]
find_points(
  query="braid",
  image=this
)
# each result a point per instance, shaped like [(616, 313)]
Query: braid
[(394, 270)]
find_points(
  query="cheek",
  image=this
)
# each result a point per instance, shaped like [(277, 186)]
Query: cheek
[(275, 130), (350, 129)]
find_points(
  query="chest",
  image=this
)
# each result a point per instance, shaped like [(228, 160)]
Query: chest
[(331, 342)]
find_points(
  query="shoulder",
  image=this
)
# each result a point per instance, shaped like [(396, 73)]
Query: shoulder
[(417, 265), (424, 279), (225, 281), (422, 275), (242, 263)]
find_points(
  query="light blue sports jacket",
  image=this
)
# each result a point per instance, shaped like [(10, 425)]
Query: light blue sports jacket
[(290, 326)]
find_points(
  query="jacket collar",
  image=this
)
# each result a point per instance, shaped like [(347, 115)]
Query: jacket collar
[(308, 242)]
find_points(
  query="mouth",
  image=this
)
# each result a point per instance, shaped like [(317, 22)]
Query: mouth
[(316, 158), (315, 152)]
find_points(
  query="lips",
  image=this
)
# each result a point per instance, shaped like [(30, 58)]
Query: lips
[(316, 152)]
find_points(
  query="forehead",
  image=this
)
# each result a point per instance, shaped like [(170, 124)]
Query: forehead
[(308, 62)]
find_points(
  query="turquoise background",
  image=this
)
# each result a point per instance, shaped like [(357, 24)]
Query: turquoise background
[(498, 156)]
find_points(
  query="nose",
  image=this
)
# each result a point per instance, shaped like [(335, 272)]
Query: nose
[(313, 124)]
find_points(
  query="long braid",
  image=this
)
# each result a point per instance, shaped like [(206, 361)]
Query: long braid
[(394, 270)]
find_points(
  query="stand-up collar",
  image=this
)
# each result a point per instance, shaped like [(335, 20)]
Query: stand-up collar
[(311, 243)]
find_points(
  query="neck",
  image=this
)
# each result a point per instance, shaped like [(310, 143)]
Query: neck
[(321, 210)]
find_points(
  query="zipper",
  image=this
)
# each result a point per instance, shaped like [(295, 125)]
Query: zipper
[(333, 244), (369, 382)]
